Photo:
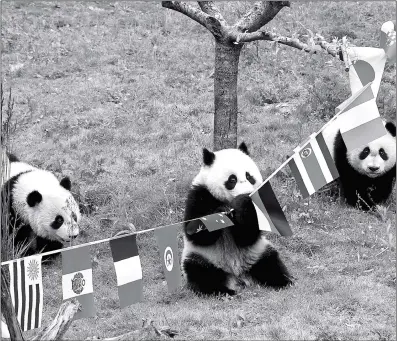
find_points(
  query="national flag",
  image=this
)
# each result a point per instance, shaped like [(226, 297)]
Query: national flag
[(388, 40), (364, 95), (77, 279), (26, 289), (210, 222), (270, 215), (312, 166), (128, 269), (168, 248), (367, 66), (359, 120)]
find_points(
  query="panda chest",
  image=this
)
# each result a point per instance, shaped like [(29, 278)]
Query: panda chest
[(226, 255)]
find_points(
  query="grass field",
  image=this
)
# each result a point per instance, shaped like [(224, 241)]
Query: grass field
[(119, 96)]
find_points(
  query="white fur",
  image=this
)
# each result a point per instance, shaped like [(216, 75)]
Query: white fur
[(56, 200), (226, 255), (387, 142), (227, 162)]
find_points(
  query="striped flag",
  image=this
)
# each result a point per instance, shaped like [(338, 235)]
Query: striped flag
[(77, 279), (359, 119), (168, 248), (26, 288), (128, 269), (270, 215), (367, 66), (312, 166), (210, 222), (388, 40)]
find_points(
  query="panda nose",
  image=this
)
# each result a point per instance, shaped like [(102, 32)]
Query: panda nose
[(373, 169)]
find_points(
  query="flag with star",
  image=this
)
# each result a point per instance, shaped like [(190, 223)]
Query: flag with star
[(168, 247), (26, 288), (210, 222)]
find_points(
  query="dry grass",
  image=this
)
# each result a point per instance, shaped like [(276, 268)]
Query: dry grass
[(119, 96)]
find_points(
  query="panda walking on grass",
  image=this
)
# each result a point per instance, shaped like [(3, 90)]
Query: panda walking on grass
[(226, 260), (366, 174)]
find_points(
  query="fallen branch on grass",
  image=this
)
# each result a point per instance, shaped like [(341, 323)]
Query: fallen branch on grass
[(147, 332)]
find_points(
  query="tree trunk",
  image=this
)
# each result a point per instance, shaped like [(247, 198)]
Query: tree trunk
[(225, 93)]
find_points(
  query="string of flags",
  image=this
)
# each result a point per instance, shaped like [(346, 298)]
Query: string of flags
[(311, 166)]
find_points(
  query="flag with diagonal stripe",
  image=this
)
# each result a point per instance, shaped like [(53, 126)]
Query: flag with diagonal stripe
[(269, 212), (359, 119), (26, 288), (312, 166)]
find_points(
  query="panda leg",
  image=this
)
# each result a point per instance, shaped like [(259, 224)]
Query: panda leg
[(205, 278), (269, 270)]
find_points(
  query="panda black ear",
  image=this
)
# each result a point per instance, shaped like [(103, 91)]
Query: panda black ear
[(66, 183), (391, 128), (34, 198), (243, 147), (208, 157)]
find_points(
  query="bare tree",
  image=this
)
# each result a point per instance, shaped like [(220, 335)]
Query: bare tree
[(229, 40)]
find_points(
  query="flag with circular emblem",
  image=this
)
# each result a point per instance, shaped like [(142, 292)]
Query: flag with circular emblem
[(77, 279), (312, 166), (26, 289), (367, 66), (168, 248)]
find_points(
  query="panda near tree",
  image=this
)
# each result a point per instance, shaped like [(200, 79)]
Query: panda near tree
[(366, 174), (226, 260), (43, 213)]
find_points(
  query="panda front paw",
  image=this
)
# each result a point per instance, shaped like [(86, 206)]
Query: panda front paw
[(244, 210)]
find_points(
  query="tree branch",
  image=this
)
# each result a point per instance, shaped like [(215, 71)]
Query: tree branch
[(61, 323), (333, 50), (211, 9), (209, 22), (260, 15)]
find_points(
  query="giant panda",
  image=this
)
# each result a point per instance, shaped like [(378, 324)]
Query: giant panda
[(43, 213), (224, 261), (366, 174)]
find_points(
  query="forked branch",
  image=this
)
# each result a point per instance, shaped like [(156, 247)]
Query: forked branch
[(259, 15), (211, 9)]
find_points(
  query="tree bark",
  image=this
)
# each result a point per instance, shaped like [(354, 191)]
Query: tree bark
[(8, 310), (225, 94), (61, 323)]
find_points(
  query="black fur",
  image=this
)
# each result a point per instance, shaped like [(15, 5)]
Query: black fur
[(355, 185), (391, 128), (12, 157), (66, 183), (208, 157), (34, 198), (205, 277), (243, 148)]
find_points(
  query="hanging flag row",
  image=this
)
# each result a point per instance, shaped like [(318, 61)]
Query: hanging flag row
[(26, 283)]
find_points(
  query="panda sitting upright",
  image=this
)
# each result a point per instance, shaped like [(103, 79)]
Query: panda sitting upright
[(226, 260), (43, 212), (366, 174)]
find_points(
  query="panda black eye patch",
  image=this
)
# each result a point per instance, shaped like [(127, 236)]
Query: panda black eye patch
[(364, 153), (231, 182), (383, 154), (57, 223), (250, 178)]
